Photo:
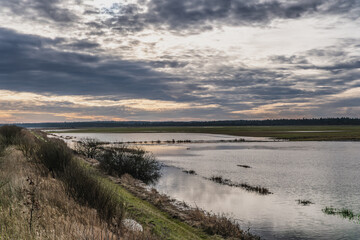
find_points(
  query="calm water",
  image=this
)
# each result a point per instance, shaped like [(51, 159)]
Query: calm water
[(137, 137), (327, 173)]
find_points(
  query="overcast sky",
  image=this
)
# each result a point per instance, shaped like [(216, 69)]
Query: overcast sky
[(82, 60)]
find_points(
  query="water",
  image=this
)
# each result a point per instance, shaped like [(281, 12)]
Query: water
[(137, 137), (327, 173)]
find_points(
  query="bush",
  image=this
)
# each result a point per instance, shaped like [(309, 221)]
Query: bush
[(10, 134), (87, 147), (54, 154), (134, 161), (83, 184), (27, 143), (2, 145)]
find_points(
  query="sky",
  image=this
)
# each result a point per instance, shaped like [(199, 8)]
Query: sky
[(161, 60)]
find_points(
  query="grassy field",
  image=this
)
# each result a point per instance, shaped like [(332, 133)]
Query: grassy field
[(292, 133)]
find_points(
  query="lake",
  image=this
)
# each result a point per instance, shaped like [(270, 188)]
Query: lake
[(327, 173)]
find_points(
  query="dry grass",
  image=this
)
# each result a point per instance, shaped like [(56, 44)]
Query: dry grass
[(36, 206), (217, 224)]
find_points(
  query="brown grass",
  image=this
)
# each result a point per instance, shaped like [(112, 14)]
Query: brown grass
[(34, 205)]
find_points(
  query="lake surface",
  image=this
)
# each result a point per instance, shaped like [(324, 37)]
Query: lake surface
[(327, 173)]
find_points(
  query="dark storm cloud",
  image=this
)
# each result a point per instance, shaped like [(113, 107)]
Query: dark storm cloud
[(29, 64), (342, 66), (188, 14), (193, 16), (49, 9)]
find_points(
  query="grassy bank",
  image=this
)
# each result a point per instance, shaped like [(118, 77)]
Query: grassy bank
[(292, 133), (47, 192)]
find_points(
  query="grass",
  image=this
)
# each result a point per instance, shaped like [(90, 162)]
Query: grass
[(162, 224), (54, 195), (213, 224), (36, 206), (304, 202), (191, 172), (247, 187), (292, 133), (158, 222), (343, 212), (243, 166), (220, 180)]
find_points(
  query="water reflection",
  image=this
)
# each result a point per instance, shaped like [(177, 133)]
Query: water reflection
[(269, 216)]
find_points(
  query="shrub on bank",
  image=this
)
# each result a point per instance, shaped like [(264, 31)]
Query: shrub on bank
[(27, 143), (83, 184), (54, 154), (134, 161), (87, 147), (10, 134), (2, 145)]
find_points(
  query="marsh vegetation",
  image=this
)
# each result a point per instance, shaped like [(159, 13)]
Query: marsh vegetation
[(247, 187), (243, 166), (342, 212), (191, 172), (304, 202)]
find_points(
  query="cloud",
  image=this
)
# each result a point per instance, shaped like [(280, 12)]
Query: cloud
[(54, 10), (31, 63), (194, 16), (195, 59)]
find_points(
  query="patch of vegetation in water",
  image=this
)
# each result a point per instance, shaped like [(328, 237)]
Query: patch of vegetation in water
[(304, 202), (343, 212), (191, 172), (243, 166), (247, 187)]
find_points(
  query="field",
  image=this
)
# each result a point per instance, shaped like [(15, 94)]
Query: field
[(291, 133)]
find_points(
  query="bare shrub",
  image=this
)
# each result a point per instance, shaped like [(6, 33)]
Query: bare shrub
[(26, 142), (87, 147)]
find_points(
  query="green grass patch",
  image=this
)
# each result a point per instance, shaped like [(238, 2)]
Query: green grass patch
[(343, 212), (161, 223)]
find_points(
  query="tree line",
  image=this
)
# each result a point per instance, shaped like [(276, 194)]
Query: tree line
[(267, 122)]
